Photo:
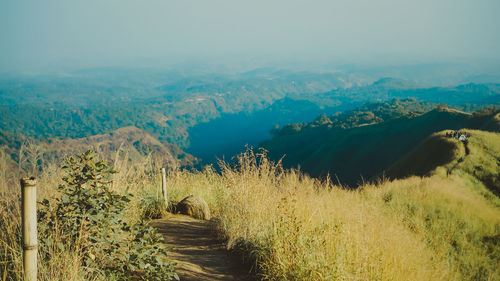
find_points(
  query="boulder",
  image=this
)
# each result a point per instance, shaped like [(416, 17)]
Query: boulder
[(195, 207)]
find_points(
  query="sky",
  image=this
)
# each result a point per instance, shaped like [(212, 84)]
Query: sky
[(95, 33)]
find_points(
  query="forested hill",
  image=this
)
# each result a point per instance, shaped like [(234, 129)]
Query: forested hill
[(130, 143), (164, 103), (368, 114), (182, 110), (359, 145)]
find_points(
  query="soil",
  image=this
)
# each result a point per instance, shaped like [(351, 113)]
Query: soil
[(197, 251)]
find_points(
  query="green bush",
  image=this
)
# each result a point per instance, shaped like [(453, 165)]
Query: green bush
[(88, 218)]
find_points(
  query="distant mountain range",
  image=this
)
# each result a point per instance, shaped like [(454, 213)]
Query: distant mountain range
[(215, 115)]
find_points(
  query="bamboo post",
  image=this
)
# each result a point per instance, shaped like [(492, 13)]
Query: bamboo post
[(30, 241), (164, 186)]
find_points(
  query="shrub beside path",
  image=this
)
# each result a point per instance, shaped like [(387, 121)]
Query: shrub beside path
[(196, 250)]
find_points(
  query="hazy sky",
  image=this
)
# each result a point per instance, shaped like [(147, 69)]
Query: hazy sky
[(51, 33)]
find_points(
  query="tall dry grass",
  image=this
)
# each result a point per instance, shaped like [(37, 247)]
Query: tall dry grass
[(292, 227), (297, 228), (136, 177), (63, 265)]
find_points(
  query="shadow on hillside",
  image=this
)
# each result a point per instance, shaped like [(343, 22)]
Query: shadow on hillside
[(433, 152)]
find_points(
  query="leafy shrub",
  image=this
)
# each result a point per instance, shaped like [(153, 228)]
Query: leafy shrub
[(88, 217)]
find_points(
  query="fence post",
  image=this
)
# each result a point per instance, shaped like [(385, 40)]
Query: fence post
[(30, 241), (164, 186)]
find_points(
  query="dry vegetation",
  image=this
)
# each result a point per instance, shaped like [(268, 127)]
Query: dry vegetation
[(297, 228), (63, 259), (292, 227)]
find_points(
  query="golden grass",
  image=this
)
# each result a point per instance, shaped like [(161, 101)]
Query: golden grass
[(62, 265), (300, 229), (294, 227)]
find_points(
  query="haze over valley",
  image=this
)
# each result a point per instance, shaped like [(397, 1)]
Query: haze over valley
[(251, 140)]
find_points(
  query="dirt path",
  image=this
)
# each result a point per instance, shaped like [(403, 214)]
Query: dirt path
[(197, 252), (460, 160)]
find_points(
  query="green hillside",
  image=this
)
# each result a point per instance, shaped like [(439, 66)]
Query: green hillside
[(437, 150), (479, 157), (365, 151), (289, 226), (176, 107)]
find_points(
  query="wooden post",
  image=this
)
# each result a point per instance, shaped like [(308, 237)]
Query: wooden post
[(164, 186), (30, 241)]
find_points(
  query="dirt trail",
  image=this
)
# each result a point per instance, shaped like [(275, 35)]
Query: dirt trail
[(460, 160), (197, 252)]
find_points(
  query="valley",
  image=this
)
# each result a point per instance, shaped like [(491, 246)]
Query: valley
[(249, 140), (296, 167), (209, 116)]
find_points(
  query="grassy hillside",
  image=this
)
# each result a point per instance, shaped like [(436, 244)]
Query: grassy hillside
[(479, 158), (483, 160), (364, 151), (293, 227), (297, 228), (493, 124), (437, 150)]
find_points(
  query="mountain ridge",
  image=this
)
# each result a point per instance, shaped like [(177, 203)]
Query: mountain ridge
[(363, 152)]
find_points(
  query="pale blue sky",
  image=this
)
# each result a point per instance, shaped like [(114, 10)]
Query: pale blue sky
[(51, 33)]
